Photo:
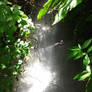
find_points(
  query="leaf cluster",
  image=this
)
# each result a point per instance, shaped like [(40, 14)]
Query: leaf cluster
[(84, 52), (15, 28), (61, 6)]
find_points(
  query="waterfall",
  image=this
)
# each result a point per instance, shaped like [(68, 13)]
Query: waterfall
[(47, 69)]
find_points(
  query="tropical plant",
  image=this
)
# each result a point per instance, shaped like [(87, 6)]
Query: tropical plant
[(62, 7), (84, 52), (15, 28)]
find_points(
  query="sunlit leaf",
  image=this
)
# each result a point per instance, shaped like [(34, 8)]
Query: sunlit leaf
[(20, 62), (79, 46), (82, 75), (88, 68), (24, 16), (41, 13), (3, 66), (48, 3), (86, 60), (65, 8), (27, 34), (15, 73), (13, 45), (44, 10), (74, 3), (9, 3), (60, 15)]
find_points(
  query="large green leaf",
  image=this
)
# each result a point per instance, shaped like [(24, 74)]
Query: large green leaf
[(62, 6), (82, 76), (76, 52), (86, 43), (44, 10), (60, 15), (41, 13), (65, 8), (74, 3)]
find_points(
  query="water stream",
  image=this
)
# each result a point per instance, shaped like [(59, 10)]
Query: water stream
[(47, 69)]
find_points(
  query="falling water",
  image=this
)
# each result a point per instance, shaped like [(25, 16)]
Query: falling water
[(47, 69)]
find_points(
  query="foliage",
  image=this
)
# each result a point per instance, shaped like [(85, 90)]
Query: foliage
[(61, 6), (15, 28), (84, 52)]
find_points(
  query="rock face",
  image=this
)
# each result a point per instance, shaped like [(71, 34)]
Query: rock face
[(48, 70)]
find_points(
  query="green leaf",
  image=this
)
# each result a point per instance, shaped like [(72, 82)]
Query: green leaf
[(3, 66), (74, 48), (86, 43), (44, 10), (79, 46), (74, 3), (86, 60), (16, 18), (89, 85), (64, 8), (55, 2), (88, 68), (60, 15), (48, 3), (20, 62), (73, 54), (82, 75), (19, 71), (15, 73), (9, 3), (41, 13), (27, 34), (89, 49), (79, 55), (24, 16), (23, 22), (13, 46)]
